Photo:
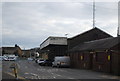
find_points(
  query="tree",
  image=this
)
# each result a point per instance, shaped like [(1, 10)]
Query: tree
[(16, 45)]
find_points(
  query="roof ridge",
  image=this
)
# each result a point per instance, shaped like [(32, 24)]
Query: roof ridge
[(88, 31)]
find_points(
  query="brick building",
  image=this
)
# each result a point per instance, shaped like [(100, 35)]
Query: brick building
[(12, 50)]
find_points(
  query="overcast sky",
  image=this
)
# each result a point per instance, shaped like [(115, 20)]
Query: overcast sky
[(30, 23)]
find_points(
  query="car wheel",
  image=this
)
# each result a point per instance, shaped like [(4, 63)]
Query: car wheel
[(58, 66), (52, 66)]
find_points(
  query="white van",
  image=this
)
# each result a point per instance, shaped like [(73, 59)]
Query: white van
[(61, 61)]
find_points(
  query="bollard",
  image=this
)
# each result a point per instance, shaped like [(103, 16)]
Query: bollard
[(15, 72), (14, 68)]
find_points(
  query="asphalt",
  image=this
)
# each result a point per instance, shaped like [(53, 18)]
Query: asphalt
[(29, 70), (7, 76)]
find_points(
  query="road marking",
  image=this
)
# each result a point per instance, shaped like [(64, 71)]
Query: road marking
[(54, 77), (18, 76), (54, 74), (14, 75), (58, 75), (33, 74), (26, 73)]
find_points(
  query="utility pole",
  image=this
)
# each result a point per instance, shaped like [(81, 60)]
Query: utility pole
[(67, 43), (118, 32), (93, 13)]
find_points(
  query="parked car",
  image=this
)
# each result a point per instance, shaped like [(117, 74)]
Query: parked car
[(40, 62), (5, 58), (61, 61), (30, 59), (10, 57), (1, 58), (47, 63), (36, 60)]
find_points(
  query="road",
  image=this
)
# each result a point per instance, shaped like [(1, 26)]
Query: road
[(31, 70), (0, 70)]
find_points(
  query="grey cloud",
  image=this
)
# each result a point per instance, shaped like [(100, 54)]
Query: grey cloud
[(28, 24)]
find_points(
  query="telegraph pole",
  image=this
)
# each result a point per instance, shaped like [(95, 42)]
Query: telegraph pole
[(118, 32), (93, 13)]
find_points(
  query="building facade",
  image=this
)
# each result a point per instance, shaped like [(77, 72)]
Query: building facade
[(99, 55), (53, 46), (12, 50)]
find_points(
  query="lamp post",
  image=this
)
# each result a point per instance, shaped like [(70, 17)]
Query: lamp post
[(67, 42)]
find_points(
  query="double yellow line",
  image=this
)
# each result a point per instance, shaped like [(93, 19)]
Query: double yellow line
[(18, 76)]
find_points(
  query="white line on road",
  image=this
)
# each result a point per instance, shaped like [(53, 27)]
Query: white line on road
[(26, 73), (58, 75), (33, 74), (54, 77), (38, 77)]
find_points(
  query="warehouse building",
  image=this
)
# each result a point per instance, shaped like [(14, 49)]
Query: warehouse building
[(53, 46), (90, 35), (95, 50), (99, 55)]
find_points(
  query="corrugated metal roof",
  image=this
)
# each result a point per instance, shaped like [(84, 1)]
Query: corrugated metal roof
[(97, 44)]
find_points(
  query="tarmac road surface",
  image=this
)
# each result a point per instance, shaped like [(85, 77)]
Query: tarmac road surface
[(31, 70)]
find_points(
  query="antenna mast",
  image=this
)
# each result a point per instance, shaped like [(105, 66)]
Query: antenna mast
[(93, 13)]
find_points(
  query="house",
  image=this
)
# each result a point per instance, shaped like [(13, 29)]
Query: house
[(53, 46), (12, 50), (26, 53), (99, 55)]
